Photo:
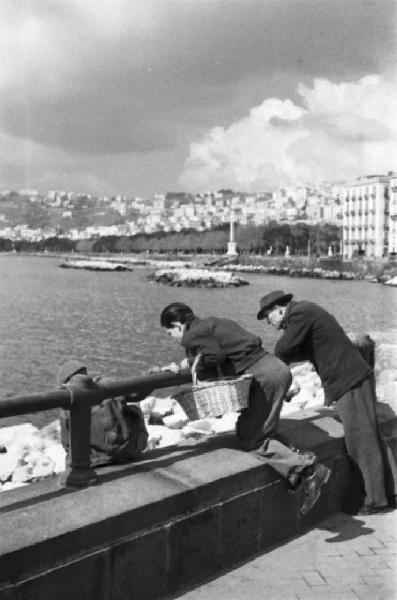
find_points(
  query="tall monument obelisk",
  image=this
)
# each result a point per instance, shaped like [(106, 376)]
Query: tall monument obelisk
[(231, 245)]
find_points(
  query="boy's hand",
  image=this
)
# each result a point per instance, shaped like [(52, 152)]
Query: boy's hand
[(184, 364), (173, 367)]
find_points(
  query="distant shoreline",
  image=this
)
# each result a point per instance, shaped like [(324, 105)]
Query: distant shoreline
[(361, 268)]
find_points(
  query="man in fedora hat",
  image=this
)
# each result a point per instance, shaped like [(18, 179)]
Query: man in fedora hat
[(311, 333), (224, 343)]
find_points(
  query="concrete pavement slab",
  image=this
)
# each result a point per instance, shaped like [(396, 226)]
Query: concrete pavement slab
[(357, 562)]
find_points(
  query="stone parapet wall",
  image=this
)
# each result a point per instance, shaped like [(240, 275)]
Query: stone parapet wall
[(171, 520)]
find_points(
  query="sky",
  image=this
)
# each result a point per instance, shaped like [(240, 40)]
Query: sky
[(137, 97)]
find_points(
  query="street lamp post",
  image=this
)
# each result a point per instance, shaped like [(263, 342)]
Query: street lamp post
[(231, 245)]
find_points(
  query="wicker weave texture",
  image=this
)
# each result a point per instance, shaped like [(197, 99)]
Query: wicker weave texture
[(215, 398)]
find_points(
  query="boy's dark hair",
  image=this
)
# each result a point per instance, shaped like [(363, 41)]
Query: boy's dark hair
[(177, 311)]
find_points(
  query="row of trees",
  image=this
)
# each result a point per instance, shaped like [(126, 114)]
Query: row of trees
[(270, 238)]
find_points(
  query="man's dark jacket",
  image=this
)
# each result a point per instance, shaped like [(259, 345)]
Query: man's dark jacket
[(311, 333), (223, 343)]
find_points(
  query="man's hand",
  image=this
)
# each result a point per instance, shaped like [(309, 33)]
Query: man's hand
[(172, 367)]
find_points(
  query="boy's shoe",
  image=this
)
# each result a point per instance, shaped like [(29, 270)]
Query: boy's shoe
[(313, 481)]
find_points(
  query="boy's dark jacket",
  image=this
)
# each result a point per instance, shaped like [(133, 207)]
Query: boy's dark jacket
[(311, 333), (223, 343)]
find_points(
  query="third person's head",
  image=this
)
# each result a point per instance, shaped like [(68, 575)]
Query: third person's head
[(273, 307)]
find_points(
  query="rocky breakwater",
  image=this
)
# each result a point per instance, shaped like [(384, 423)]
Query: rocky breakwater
[(387, 276), (95, 265), (28, 454), (203, 278), (316, 273)]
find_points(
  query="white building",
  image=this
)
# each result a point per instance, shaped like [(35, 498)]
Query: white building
[(366, 218), (393, 214), (332, 213)]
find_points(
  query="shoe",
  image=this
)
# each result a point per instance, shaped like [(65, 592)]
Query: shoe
[(312, 484), (372, 510)]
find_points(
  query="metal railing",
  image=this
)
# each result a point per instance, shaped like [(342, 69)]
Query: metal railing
[(78, 472)]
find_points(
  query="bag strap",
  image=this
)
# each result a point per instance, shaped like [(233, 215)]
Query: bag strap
[(120, 417)]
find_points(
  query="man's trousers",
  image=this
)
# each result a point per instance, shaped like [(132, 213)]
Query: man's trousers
[(364, 445), (257, 424)]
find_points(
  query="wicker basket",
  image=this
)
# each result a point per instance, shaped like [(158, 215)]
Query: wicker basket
[(214, 398)]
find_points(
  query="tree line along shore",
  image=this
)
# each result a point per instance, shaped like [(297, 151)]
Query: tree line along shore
[(258, 246), (273, 238)]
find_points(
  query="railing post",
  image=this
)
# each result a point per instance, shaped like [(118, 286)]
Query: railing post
[(78, 472)]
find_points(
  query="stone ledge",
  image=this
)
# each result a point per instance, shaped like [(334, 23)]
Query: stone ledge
[(166, 521)]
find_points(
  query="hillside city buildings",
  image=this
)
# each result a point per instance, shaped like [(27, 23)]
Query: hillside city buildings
[(365, 209)]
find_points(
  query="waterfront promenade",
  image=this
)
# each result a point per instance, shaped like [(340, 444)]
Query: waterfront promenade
[(341, 558)]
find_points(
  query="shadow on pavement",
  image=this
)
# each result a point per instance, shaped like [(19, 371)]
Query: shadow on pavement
[(347, 529)]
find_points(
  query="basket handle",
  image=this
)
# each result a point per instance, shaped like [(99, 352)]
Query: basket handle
[(194, 370)]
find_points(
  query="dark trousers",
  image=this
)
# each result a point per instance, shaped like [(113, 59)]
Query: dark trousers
[(258, 423), (364, 445)]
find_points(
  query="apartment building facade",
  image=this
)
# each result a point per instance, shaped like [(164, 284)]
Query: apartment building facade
[(367, 221), (393, 214)]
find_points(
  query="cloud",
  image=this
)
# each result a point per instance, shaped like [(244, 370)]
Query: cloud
[(27, 164), (117, 89), (100, 76), (339, 130)]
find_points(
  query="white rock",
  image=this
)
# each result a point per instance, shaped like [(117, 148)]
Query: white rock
[(387, 376), (204, 425), (10, 485), (44, 468), (57, 454), (177, 409), (319, 398), (30, 444), (33, 457), (164, 436), (147, 404), (8, 464), (162, 407), (387, 393), (226, 423), (176, 421), (16, 432), (392, 281), (198, 428), (302, 368), (22, 473), (51, 432)]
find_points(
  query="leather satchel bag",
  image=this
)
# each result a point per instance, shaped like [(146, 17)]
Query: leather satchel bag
[(118, 432)]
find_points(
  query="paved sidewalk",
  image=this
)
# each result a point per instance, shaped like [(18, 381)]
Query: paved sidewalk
[(343, 558)]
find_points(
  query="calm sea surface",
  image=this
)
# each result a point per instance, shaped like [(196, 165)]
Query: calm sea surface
[(111, 320)]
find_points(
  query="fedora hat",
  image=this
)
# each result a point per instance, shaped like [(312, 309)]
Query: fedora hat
[(270, 300)]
